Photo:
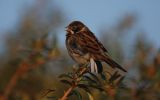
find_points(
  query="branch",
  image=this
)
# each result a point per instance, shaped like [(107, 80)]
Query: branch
[(81, 71)]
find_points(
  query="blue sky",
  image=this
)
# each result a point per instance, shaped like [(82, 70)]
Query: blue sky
[(94, 13)]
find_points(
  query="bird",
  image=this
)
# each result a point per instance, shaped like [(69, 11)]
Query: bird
[(84, 47)]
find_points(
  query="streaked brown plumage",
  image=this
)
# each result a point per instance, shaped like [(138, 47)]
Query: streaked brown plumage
[(82, 45)]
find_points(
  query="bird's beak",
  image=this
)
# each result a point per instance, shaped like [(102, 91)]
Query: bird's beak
[(69, 31)]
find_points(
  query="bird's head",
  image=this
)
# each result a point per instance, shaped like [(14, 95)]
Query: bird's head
[(74, 27)]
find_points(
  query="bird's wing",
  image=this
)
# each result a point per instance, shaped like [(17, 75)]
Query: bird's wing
[(98, 42), (89, 43)]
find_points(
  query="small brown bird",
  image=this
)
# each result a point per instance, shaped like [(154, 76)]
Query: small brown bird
[(85, 48)]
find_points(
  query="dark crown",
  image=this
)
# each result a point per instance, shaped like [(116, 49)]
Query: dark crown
[(76, 23)]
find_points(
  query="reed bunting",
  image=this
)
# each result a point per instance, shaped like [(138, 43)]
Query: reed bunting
[(85, 48)]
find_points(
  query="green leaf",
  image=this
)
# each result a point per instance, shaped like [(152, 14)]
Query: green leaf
[(115, 76), (84, 87), (88, 86), (51, 97), (77, 93), (94, 76), (66, 82), (90, 79), (66, 76), (96, 87), (46, 92), (103, 76)]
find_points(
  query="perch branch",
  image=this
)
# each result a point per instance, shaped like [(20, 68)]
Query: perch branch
[(74, 83)]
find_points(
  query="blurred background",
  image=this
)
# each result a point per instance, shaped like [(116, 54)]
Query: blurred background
[(33, 52)]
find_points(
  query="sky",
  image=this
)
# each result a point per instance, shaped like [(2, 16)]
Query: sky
[(96, 14), (106, 13)]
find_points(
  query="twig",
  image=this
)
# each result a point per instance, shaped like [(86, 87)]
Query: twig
[(74, 84), (67, 93)]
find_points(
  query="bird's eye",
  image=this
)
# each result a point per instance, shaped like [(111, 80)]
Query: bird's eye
[(75, 29)]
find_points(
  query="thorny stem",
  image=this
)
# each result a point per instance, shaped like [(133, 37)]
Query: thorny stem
[(74, 85)]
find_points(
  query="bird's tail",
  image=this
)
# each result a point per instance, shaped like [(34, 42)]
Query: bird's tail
[(113, 64)]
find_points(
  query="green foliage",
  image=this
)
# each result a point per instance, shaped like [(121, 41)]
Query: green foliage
[(83, 79), (77, 93)]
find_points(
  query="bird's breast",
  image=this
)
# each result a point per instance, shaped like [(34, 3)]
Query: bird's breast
[(76, 51), (81, 59)]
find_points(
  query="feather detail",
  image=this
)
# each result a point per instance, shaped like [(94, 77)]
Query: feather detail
[(99, 66), (93, 66), (113, 64), (92, 63)]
